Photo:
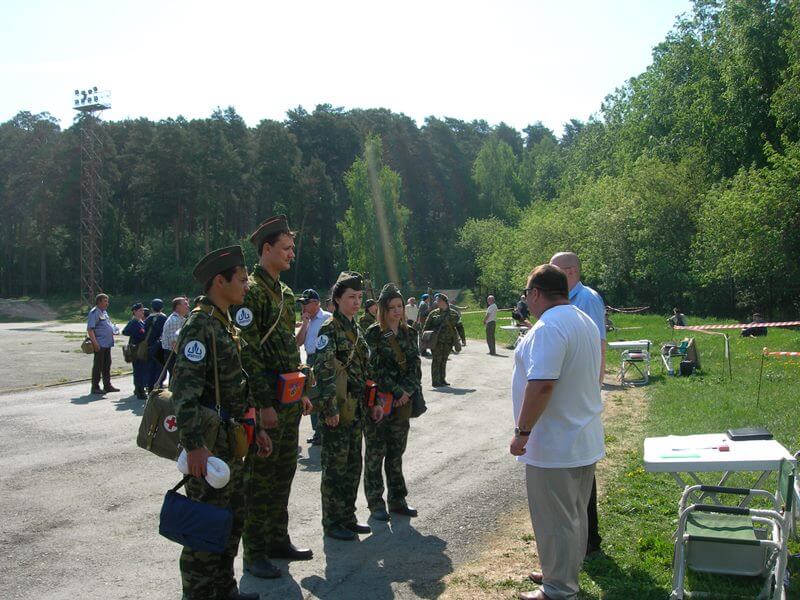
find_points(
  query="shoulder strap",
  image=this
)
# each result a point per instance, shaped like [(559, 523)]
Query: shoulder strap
[(281, 302), (216, 370), (398, 352)]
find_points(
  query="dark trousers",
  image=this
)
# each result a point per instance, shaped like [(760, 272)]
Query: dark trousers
[(490, 327), (594, 529), (139, 373), (102, 368)]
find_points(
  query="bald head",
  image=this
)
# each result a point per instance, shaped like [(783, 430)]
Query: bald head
[(490, 300), (570, 264)]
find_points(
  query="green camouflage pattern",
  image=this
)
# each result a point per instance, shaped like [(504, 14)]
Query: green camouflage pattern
[(448, 323), (268, 480), (385, 368), (279, 354), (341, 445), (366, 321), (204, 575)]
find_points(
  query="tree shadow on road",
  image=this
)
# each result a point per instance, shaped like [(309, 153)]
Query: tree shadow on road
[(131, 403), (395, 553)]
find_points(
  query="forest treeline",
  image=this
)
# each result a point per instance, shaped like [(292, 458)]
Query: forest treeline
[(684, 188)]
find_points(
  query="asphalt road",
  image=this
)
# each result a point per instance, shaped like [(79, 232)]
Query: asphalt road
[(80, 502)]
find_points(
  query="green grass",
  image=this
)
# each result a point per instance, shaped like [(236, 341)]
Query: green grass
[(639, 511), (71, 310)]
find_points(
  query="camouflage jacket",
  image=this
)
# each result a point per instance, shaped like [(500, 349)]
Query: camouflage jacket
[(394, 370), (192, 383), (366, 321), (335, 340), (448, 323), (279, 353)]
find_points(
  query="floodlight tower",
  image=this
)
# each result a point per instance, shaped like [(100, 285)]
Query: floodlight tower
[(90, 103)]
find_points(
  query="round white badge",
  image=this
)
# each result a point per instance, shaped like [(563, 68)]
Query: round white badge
[(195, 351), (171, 424), (322, 341), (244, 316)]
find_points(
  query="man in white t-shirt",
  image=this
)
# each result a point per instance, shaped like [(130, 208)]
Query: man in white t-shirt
[(312, 318), (559, 431), (490, 321)]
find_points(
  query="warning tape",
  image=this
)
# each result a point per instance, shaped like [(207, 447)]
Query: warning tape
[(631, 310), (767, 353), (738, 326)]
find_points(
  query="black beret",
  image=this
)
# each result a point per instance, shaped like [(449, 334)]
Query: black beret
[(217, 261), (136, 306), (349, 279), (369, 302), (442, 297), (268, 227)]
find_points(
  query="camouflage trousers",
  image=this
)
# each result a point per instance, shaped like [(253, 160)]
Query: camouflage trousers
[(267, 484), (385, 445), (439, 363), (207, 576), (341, 473)]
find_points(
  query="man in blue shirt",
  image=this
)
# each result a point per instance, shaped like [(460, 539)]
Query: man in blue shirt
[(590, 302), (155, 358), (313, 316), (100, 330)]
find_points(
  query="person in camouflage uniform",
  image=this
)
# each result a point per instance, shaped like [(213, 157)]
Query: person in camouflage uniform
[(448, 323), (368, 318), (395, 365), (266, 319), (209, 342), (341, 348)]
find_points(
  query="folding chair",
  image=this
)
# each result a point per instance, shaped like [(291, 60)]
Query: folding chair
[(733, 540), (671, 351), (636, 362)]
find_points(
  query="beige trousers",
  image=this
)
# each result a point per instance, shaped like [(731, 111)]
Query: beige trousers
[(557, 499)]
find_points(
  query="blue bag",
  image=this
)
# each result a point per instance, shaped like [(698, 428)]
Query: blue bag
[(196, 525)]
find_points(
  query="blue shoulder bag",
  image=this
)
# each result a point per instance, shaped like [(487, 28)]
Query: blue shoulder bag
[(196, 525)]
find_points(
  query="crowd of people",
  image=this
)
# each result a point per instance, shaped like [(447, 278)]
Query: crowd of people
[(238, 350)]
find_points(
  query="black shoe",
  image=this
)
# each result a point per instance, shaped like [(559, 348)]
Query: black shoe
[(263, 569), (406, 510), (97, 391), (315, 440), (446, 384), (110, 388), (141, 396), (341, 534), (438, 384), (380, 514), (290, 552), (235, 594), (359, 528)]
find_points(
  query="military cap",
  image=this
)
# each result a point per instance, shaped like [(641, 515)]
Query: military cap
[(424, 296), (308, 295), (389, 292), (217, 261), (136, 306), (349, 279), (369, 302), (442, 297), (268, 227), (157, 304)]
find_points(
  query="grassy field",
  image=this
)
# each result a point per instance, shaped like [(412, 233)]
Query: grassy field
[(638, 510)]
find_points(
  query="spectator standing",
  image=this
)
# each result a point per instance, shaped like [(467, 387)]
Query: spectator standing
[(523, 312), (490, 321), (678, 319), (171, 330), (412, 312), (136, 335), (155, 360), (590, 302), (559, 431), (313, 316), (100, 330)]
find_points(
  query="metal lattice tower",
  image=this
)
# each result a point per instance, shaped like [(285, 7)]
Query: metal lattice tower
[(91, 103)]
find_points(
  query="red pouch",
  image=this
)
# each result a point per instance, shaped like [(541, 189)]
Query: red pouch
[(249, 424), (371, 392), (388, 401), (290, 387)]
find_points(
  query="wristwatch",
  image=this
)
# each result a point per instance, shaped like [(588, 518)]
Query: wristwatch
[(518, 432)]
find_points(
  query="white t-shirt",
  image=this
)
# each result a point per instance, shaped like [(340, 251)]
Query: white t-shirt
[(563, 345), (312, 332), (412, 312), (491, 313)]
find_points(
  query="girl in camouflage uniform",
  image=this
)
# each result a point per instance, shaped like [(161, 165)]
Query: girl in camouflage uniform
[(342, 350), (395, 365)]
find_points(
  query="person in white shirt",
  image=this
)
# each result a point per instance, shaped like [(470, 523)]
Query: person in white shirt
[(313, 317), (490, 321), (172, 328), (559, 431), (412, 311)]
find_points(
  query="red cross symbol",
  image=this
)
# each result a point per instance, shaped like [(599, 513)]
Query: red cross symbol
[(171, 423)]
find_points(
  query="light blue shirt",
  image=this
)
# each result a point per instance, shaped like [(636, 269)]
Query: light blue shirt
[(313, 330), (592, 304), (103, 327)]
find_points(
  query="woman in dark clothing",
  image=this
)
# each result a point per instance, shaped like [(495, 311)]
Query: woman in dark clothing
[(136, 335)]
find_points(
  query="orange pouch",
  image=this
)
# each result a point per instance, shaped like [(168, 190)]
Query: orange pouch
[(371, 392), (249, 424), (388, 400), (290, 387)]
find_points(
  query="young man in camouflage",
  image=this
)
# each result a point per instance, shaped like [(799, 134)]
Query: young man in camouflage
[(207, 349), (266, 319), (448, 323), (340, 345), (368, 318), (395, 366)]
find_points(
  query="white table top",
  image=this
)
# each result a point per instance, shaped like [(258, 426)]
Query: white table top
[(514, 328), (631, 345), (683, 453)]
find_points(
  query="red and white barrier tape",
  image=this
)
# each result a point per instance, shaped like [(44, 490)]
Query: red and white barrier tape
[(766, 353), (738, 326)]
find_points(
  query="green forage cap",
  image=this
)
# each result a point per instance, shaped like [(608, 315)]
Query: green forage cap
[(271, 225), (389, 292), (218, 261), (349, 279)]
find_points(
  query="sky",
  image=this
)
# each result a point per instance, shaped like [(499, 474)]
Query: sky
[(516, 61)]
